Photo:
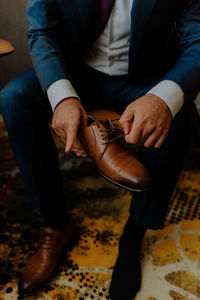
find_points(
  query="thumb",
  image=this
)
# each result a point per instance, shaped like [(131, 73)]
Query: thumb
[(126, 127), (71, 136), (125, 120)]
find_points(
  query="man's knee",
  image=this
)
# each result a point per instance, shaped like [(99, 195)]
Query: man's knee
[(16, 88), (8, 98), (16, 96)]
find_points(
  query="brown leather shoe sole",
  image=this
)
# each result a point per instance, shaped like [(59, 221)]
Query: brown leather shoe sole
[(123, 186)]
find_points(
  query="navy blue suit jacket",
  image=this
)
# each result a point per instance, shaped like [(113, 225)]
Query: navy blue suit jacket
[(164, 41)]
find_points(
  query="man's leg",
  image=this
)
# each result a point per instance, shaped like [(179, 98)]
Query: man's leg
[(148, 208), (164, 164), (26, 112)]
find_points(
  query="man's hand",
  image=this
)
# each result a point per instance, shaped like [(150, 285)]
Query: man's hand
[(65, 122), (151, 121)]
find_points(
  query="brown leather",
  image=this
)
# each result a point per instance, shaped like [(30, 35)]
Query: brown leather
[(113, 160), (104, 114), (42, 264), (5, 47)]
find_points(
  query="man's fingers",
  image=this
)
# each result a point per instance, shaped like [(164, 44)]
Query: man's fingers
[(71, 136), (151, 141), (146, 133), (84, 118), (78, 148), (125, 120), (161, 140), (66, 119), (134, 137), (156, 136), (126, 116), (62, 135), (126, 127)]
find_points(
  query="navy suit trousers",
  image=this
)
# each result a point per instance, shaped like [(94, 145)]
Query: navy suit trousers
[(27, 112)]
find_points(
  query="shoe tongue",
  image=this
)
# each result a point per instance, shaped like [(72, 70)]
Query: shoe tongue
[(112, 130), (108, 130), (107, 124)]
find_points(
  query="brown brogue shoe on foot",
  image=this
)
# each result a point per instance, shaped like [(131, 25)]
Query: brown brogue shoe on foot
[(42, 264), (114, 162)]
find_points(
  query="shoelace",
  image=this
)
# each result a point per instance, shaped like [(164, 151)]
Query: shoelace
[(45, 240), (108, 132)]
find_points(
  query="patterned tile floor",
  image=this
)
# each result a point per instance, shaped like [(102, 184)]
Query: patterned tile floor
[(170, 257)]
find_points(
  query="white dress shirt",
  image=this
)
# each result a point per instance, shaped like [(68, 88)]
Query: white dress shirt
[(109, 55)]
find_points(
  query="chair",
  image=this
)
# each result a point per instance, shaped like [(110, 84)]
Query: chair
[(5, 47)]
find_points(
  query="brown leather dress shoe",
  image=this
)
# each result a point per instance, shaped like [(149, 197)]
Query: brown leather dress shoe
[(41, 265), (114, 162)]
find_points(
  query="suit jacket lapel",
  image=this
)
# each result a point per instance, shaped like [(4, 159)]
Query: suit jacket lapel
[(95, 14), (89, 12), (83, 16), (140, 14)]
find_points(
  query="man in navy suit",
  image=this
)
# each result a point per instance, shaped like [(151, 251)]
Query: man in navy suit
[(138, 57)]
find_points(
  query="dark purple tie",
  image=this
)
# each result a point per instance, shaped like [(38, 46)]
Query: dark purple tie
[(105, 11)]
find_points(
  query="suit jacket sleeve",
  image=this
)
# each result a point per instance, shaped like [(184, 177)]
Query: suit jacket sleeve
[(46, 29), (186, 72)]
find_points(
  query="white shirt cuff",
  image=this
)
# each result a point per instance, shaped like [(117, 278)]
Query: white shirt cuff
[(171, 93), (60, 90)]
